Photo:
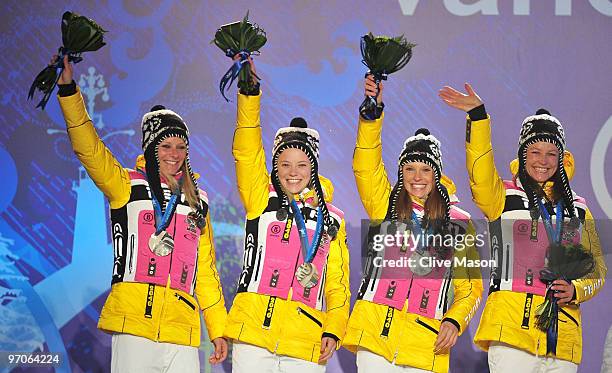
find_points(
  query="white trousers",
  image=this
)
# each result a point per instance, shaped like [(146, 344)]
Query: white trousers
[(606, 365), (133, 354), (369, 362), (506, 359), (247, 358)]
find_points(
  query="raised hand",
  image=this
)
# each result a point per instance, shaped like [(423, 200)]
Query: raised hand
[(458, 100), (254, 76), (372, 90), (67, 73)]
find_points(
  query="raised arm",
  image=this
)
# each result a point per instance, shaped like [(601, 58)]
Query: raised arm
[(105, 171), (251, 172), (370, 174), (487, 187)]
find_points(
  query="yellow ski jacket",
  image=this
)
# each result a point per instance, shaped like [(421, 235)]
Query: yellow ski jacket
[(157, 312), (410, 338), (509, 316), (282, 326)]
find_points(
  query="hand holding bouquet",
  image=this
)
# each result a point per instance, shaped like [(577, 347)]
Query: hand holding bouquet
[(79, 34), (244, 39), (566, 262)]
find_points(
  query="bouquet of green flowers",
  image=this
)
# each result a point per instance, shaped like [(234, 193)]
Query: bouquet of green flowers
[(79, 34), (383, 55), (242, 38), (567, 262)]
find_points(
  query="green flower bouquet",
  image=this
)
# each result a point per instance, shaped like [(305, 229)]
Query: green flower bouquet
[(566, 262), (382, 55), (79, 34), (245, 39)]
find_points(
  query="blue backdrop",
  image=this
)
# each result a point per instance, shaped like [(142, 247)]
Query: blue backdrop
[(55, 248)]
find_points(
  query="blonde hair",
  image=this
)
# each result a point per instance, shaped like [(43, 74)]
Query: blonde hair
[(189, 188)]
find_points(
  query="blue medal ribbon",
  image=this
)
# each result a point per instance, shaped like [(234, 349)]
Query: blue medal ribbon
[(554, 234), (162, 220), (308, 249), (554, 237), (416, 227)]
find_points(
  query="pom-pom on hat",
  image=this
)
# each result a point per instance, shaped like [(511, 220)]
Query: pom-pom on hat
[(541, 127), (161, 123), (299, 136)]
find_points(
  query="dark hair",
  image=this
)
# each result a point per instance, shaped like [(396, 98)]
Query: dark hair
[(557, 189), (435, 212)]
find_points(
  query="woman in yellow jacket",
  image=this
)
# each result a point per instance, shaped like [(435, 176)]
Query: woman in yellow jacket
[(293, 295), (521, 228), (164, 271), (407, 319)]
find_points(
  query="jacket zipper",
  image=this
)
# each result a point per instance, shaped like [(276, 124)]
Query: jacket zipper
[(400, 338), (167, 287), (258, 262), (180, 297), (374, 276), (297, 258), (506, 259), (426, 326), (322, 286), (311, 317), (131, 268)]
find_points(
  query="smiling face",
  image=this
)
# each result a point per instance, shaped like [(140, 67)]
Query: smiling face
[(418, 179), (542, 161), (171, 154), (293, 170)]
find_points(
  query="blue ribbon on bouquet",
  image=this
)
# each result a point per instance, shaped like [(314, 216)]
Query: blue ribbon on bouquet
[(233, 71), (58, 65)]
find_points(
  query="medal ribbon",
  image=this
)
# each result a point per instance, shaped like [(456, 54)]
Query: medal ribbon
[(554, 234), (308, 249), (416, 226), (554, 237), (163, 220)]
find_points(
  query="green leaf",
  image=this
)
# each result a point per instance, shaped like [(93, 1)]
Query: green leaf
[(240, 35), (385, 55), (81, 34)]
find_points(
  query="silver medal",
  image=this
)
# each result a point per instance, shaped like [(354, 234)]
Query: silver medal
[(417, 263), (307, 275), (161, 244)]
